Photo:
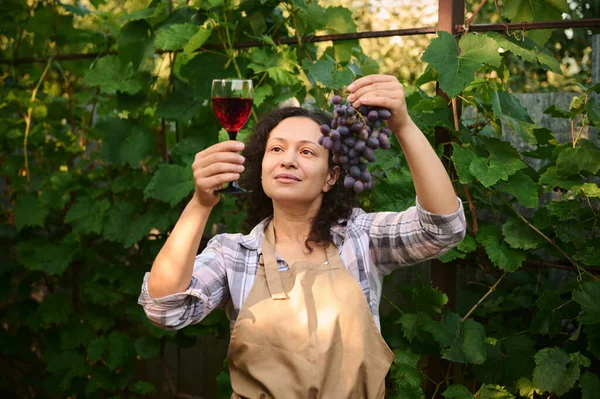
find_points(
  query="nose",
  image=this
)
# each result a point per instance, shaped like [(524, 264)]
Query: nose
[(289, 160)]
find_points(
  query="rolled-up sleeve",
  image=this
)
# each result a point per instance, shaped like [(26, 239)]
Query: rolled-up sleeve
[(414, 235), (207, 291)]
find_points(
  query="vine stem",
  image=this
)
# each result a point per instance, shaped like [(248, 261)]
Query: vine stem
[(551, 242), (578, 134), (470, 20), (392, 304), (472, 209), (29, 114), (492, 289)]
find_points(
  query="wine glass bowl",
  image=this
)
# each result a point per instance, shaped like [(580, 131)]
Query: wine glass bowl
[(232, 104)]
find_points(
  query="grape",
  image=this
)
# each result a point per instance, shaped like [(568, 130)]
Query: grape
[(360, 145), (373, 143), (349, 182), (337, 145), (363, 134), (384, 114), (570, 327), (358, 187), (353, 136)]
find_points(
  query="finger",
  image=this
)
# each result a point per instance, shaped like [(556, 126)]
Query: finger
[(379, 89), (219, 168), (370, 79), (203, 160), (371, 97), (383, 102), (219, 180), (225, 146)]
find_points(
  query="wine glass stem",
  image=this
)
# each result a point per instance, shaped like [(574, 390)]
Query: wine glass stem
[(232, 135)]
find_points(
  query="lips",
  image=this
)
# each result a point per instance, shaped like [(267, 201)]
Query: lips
[(286, 176)]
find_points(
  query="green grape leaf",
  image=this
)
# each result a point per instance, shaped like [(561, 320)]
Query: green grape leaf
[(535, 10), (339, 20), (520, 236), (510, 111), (96, 348), (586, 156), (202, 69), (526, 388), (504, 161), (547, 320), (170, 183), (102, 293), (556, 112), (196, 41), (175, 36), (112, 76), (468, 244), (590, 190), (590, 386), (523, 188), (593, 112), (76, 333), (261, 93), (150, 12), (588, 296), (556, 370), (451, 255), (564, 209), (528, 50), (461, 342), (119, 349), (29, 212), (486, 172), (501, 255), (50, 258), (407, 375), (552, 178), (426, 299), (280, 64), (135, 43), (55, 308), (125, 142), (462, 158), (179, 106), (320, 71), (341, 79), (490, 391), (457, 72), (456, 391), (147, 347), (143, 388), (66, 366), (591, 256), (87, 215), (413, 325), (570, 232)]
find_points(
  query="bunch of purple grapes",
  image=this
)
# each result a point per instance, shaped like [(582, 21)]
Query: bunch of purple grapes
[(353, 136)]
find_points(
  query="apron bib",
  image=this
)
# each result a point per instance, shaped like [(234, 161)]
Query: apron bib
[(306, 333)]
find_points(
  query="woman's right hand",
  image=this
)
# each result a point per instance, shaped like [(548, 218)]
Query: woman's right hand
[(213, 168)]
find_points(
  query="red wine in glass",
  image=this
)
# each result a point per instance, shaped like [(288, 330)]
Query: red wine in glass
[(232, 112), (232, 104)]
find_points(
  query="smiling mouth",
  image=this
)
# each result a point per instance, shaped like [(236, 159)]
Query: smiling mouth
[(286, 177)]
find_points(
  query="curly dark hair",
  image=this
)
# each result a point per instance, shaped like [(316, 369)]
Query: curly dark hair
[(337, 202)]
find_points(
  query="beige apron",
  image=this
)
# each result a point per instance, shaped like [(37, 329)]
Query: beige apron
[(306, 333)]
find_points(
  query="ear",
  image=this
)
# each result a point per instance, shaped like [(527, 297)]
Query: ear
[(334, 175)]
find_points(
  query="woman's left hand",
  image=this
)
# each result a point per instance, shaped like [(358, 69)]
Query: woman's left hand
[(381, 91)]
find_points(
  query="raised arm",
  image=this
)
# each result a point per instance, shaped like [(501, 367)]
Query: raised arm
[(432, 183), (172, 269)]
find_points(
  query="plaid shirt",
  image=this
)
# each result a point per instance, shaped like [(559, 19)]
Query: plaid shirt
[(371, 246)]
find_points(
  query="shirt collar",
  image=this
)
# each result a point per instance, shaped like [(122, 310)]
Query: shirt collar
[(254, 239)]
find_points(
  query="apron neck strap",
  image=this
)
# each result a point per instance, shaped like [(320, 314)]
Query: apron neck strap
[(271, 269)]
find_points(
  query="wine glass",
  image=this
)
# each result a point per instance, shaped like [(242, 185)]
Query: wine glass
[(232, 104)]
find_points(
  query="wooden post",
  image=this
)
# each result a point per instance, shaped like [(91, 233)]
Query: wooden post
[(451, 13)]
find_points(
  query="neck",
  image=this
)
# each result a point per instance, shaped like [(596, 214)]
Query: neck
[(292, 223)]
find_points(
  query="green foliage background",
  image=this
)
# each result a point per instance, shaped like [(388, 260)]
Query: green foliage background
[(96, 153)]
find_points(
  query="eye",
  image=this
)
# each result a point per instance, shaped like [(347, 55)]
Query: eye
[(276, 149), (307, 152)]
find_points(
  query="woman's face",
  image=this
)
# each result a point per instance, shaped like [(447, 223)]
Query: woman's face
[(295, 167)]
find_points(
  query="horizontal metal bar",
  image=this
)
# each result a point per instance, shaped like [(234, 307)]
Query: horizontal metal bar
[(569, 23), (580, 23)]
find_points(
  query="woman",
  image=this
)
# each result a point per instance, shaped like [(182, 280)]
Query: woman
[(302, 290)]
